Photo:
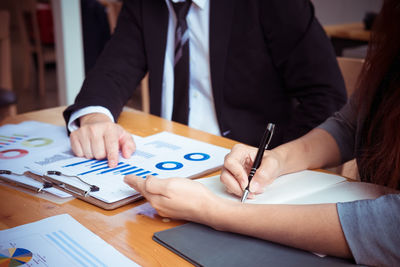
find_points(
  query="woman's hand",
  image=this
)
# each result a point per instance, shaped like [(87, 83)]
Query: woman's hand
[(237, 166), (177, 198)]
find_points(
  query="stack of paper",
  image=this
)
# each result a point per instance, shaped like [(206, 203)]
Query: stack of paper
[(163, 155), (40, 148)]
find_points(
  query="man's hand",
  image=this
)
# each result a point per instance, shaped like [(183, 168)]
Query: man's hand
[(98, 137)]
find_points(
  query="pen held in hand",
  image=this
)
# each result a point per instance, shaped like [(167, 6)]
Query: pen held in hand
[(257, 161)]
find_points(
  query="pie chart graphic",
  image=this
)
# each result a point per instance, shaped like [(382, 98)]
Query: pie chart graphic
[(14, 257), (13, 153)]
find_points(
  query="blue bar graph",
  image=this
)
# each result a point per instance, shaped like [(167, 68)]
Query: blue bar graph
[(113, 169), (11, 138), (135, 171), (75, 250), (103, 162), (80, 162), (125, 170), (143, 173), (100, 167)]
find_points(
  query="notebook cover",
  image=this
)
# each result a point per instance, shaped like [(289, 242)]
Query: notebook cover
[(204, 246)]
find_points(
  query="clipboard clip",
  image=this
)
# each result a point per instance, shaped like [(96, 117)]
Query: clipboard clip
[(45, 184), (93, 188), (71, 188)]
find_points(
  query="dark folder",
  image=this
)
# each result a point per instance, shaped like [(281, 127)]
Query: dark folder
[(204, 246)]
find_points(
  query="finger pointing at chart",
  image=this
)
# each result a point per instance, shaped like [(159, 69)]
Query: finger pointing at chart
[(98, 137)]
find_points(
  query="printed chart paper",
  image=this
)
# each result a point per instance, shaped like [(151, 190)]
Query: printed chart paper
[(163, 155), (21, 144), (40, 147), (57, 241)]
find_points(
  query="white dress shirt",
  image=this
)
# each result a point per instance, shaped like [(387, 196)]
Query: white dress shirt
[(202, 113)]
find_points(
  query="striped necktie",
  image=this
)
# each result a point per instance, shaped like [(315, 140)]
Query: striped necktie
[(180, 112)]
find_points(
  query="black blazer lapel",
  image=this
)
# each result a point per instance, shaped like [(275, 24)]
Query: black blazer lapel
[(155, 21), (221, 16)]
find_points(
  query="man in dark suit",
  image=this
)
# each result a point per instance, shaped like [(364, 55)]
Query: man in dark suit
[(251, 62)]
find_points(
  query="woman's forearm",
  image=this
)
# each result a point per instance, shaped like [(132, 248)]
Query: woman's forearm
[(314, 228), (310, 227), (317, 149)]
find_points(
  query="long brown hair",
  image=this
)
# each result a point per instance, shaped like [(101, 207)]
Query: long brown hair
[(378, 97)]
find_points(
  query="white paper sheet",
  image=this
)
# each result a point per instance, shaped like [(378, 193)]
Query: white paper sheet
[(58, 241), (41, 147), (21, 144), (345, 192), (162, 155), (305, 187)]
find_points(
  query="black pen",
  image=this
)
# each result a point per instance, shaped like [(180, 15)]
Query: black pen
[(257, 162)]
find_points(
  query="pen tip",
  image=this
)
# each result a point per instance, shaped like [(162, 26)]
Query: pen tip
[(244, 196)]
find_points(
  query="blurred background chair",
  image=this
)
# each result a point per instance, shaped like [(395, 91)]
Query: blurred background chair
[(350, 68), (27, 19), (8, 98), (38, 47), (32, 53)]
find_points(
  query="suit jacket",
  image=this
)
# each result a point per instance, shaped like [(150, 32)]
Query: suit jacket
[(270, 61)]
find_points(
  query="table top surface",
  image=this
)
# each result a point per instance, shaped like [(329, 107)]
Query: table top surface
[(130, 228), (351, 31)]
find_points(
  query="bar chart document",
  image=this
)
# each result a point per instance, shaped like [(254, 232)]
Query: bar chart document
[(163, 155), (57, 241)]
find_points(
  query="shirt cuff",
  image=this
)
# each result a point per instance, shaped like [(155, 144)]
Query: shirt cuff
[(73, 120)]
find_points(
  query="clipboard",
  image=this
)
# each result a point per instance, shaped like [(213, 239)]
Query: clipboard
[(14, 183), (35, 152), (35, 188), (48, 182), (85, 195), (82, 194), (48, 179), (163, 155)]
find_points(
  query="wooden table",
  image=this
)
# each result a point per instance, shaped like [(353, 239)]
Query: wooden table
[(128, 228), (347, 35)]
